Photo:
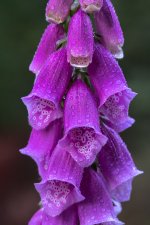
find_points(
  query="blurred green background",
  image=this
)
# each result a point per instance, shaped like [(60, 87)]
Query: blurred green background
[(21, 26)]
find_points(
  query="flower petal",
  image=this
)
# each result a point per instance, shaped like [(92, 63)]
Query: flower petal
[(37, 218), (90, 6), (41, 145), (46, 46), (97, 207), (58, 10), (115, 161), (43, 103), (119, 127), (68, 217), (110, 86), (108, 26), (60, 189), (80, 40), (122, 193), (83, 139)]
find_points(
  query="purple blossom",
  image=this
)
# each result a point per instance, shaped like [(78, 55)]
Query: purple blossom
[(47, 46), (58, 10), (80, 40), (108, 27), (78, 106), (61, 187), (83, 138), (43, 103)]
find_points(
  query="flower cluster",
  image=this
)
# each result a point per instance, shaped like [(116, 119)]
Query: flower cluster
[(77, 108)]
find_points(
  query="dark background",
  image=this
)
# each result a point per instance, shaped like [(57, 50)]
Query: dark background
[(21, 26)]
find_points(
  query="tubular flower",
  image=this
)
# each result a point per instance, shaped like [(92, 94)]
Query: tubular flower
[(83, 138), (78, 105), (42, 143), (60, 189), (47, 46), (80, 40), (108, 27), (91, 6), (43, 103), (58, 10)]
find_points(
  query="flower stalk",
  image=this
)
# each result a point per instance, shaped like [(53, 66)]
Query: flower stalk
[(77, 108)]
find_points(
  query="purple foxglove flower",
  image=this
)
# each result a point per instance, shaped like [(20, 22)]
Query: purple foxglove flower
[(60, 189), (97, 208), (83, 138), (41, 145), (91, 6), (68, 217), (58, 10), (43, 103), (108, 26), (115, 161), (80, 40), (47, 45), (110, 85), (122, 193)]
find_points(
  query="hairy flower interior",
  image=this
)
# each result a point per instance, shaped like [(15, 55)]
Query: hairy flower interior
[(91, 7), (54, 18), (56, 193), (84, 141), (40, 111), (80, 62)]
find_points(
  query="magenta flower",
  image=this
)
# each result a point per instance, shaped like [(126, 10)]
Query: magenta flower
[(47, 46), (58, 10), (78, 106), (108, 26), (43, 103), (113, 94), (80, 40), (61, 187), (42, 143), (83, 138)]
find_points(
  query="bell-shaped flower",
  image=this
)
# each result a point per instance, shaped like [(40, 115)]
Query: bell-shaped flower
[(43, 103), (97, 208), (80, 40), (83, 138), (110, 86), (47, 46), (41, 145), (61, 188), (91, 6), (115, 161), (68, 217), (58, 10), (108, 27)]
